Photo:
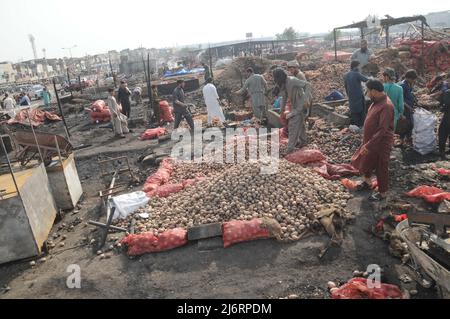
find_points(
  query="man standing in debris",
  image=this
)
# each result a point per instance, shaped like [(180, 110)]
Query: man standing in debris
[(46, 97), (9, 105), (362, 55), (444, 127), (395, 93), (410, 100), (207, 71), (375, 152), (212, 102), (294, 70), (294, 93), (180, 108), (137, 95), (124, 98), (155, 106), (256, 85), (439, 90), (439, 87), (356, 100), (116, 116)]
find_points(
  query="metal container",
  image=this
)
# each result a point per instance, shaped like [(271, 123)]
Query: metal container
[(27, 214)]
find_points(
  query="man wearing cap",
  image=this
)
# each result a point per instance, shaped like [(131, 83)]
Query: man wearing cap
[(124, 98), (395, 93), (362, 55), (294, 100), (294, 70), (256, 85), (180, 108)]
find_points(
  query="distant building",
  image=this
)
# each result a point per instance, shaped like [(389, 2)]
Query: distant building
[(439, 19), (7, 72)]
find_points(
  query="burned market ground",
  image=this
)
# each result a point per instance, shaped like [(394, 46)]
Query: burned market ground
[(259, 269)]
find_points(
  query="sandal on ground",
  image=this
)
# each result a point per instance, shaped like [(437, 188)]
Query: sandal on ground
[(376, 197), (362, 187)]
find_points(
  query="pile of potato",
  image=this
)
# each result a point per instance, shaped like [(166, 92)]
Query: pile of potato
[(339, 146), (293, 197)]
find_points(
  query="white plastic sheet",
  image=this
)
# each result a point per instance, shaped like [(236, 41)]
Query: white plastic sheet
[(128, 203), (424, 136)]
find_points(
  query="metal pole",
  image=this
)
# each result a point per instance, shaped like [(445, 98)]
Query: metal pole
[(112, 72), (387, 36), (150, 95), (60, 109), (59, 152), (423, 49), (70, 86), (362, 32), (79, 82), (335, 44), (210, 63), (34, 134), (10, 167)]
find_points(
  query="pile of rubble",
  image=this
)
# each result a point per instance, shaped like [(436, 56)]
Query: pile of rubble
[(408, 55), (241, 192), (234, 76), (326, 79)]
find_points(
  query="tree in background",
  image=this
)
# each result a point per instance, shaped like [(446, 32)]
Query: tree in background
[(288, 34), (330, 36)]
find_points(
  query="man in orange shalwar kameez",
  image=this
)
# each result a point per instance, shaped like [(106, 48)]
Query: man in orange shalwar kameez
[(375, 152)]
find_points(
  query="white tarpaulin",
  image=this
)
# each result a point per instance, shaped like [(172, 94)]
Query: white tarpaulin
[(128, 203)]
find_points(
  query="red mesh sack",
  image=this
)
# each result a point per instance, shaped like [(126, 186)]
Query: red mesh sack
[(165, 190), (305, 156), (98, 106), (149, 243), (166, 112), (444, 172), (430, 194), (356, 288), (237, 231), (153, 133)]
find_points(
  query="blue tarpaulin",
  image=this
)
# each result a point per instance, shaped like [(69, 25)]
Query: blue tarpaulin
[(169, 74)]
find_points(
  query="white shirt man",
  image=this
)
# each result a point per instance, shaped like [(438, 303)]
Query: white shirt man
[(212, 102), (10, 105)]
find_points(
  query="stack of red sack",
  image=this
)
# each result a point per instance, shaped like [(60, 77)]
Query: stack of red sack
[(100, 112), (166, 112), (435, 53)]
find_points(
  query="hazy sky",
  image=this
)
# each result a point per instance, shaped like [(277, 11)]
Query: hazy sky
[(97, 26)]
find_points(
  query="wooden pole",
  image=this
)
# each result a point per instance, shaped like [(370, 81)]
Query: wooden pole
[(335, 44), (112, 72), (60, 109), (387, 36)]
